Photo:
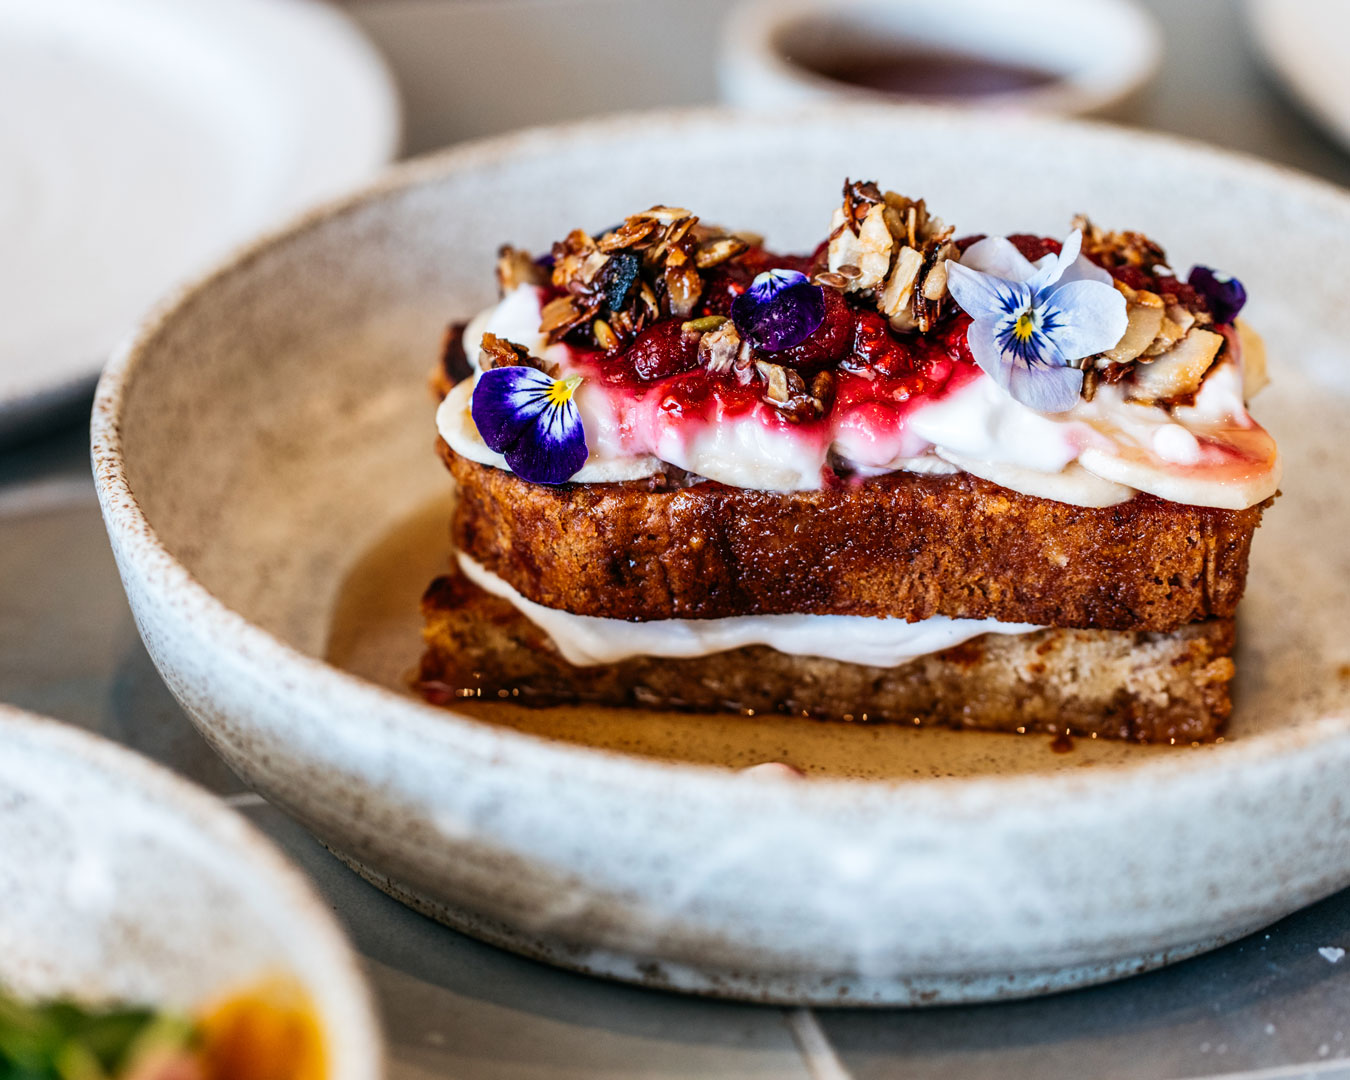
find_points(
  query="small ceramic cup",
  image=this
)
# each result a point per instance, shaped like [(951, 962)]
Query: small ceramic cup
[(1051, 56)]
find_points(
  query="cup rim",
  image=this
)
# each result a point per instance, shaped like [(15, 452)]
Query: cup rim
[(752, 53)]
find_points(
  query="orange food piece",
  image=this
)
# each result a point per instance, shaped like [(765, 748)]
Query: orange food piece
[(269, 1032)]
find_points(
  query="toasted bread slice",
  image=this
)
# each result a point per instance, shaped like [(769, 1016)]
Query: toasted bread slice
[(1138, 685), (902, 545)]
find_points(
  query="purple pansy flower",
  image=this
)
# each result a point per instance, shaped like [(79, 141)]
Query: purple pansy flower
[(1032, 320), (1223, 292), (532, 421), (779, 310)]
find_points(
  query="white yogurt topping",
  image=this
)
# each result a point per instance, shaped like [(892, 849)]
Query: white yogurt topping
[(1097, 454), (515, 318), (455, 423), (587, 639)]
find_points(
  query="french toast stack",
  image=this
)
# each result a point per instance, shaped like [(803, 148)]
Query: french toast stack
[(1110, 615), (1138, 600)]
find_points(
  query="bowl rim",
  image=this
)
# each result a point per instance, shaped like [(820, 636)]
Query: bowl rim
[(343, 694), (354, 1042), (752, 49)]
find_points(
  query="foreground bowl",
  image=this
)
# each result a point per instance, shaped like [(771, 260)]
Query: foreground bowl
[(270, 428), (120, 882)]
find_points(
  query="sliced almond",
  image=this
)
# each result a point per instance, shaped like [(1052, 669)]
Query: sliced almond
[(894, 222), (1179, 315), (1169, 334), (631, 233), (714, 252), (1177, 372), (559, 314), (592, 265), (935, 284), (718, 347), (775, 377), (516, 268), (895, 297), (869, 251), (1145, 322), (666, 215)]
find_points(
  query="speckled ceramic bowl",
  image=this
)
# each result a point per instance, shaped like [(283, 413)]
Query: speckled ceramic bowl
[(120, 882), (271, 426)]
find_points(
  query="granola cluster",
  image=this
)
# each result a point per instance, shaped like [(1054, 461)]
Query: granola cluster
[(892, 252), (643, 289), (648, 268), (1170, 344), (652, 268)]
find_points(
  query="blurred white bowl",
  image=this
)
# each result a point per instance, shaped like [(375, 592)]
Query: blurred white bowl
[(1096, 53), (1306, 46), (142, 140), (120, 882)]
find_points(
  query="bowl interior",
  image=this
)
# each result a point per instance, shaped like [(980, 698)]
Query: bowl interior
[(121, 883), (278, 433)]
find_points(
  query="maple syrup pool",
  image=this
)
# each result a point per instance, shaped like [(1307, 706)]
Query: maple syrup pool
[(376, 634)]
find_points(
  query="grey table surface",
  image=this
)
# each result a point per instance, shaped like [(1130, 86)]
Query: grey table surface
[(1273, 1005)]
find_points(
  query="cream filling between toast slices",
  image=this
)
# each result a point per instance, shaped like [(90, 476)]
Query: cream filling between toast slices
[(586, 640), (1100, 453)]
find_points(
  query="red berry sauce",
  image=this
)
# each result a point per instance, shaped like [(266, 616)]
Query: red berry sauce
[(881, 375)]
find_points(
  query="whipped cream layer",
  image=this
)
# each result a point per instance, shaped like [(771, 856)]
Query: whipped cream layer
[(586, 640), (1101, 452)]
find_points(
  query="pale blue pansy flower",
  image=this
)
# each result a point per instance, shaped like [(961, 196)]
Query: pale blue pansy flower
[(1032, 321)]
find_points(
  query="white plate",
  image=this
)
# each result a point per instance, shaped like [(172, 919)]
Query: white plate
[(120, 882), (1306, 43), (141, 139), (268, 432)]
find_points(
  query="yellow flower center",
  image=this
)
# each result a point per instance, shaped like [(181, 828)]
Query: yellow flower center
[(1024, 327), (560, 393)]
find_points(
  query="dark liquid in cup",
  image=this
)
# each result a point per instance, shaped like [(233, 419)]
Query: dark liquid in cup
[(920, 73)]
